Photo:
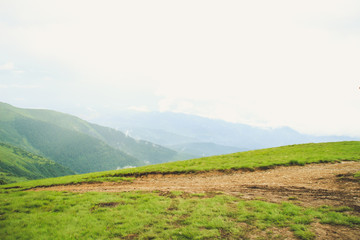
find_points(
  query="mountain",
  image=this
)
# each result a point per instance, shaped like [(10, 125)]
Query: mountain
[(77, 151), (171, 129), (147, 151), (75, 143), (17, 164), (205, 149)]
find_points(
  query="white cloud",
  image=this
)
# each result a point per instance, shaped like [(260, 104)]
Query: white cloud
[(24, 86), (139, 108), (7, 66), (10, 67)]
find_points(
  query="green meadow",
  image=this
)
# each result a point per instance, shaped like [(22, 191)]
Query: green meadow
[(174, 215), (300, 154)]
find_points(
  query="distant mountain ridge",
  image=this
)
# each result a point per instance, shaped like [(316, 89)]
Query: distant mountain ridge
[(75, 143), (172, 129)]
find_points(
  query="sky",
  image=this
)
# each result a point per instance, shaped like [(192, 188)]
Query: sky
[(263, 63)]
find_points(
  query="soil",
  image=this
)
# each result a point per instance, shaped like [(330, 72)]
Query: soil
[(311, 185)]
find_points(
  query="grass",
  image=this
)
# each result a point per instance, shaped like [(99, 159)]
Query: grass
[(18, 165), (173, 215), (357, 175), (266, 158), (137, 215), (258, 159), (66, 180)]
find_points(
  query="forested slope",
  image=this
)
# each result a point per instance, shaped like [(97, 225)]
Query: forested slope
[(17, 164), (78, 151), (12, 117)]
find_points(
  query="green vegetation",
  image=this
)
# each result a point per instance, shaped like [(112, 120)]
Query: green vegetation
[(136, 215), (75, 143), (75, 150), (265, 158), (44, 133), (357, 176), (173, 215), (146, 151), (19, 165), (67, 180)]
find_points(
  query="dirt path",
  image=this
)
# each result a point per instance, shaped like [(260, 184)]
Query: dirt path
[(310, 185)]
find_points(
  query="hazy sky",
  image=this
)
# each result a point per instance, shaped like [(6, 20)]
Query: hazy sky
[(268, 63)]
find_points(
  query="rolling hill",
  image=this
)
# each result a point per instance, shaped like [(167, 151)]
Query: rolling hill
[(143, 150), (75, 143), (17, 164), (273, 193), (299, 154), (291, 155)]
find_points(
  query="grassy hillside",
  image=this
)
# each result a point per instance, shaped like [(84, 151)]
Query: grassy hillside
[(142, 150), (265, 158), (77, 151), (149, 152), (72, 149), (64, 215), (19, 165), (57, 136), (177, 215)]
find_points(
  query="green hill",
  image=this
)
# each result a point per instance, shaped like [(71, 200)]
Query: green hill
[(149, 152), (257, 159), (19, 165), (300, 154), (12, 121), (185, 215), (52, 135)]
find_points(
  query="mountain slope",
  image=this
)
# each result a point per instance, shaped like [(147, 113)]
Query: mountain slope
[(78, 151), (58, 136), (292, 155), (143, 150), (299, 154), (17, 164), (72, 149), (149, 152)]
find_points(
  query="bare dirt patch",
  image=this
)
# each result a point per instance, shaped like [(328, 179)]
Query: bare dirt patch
[(325, 232), (310, 185)]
